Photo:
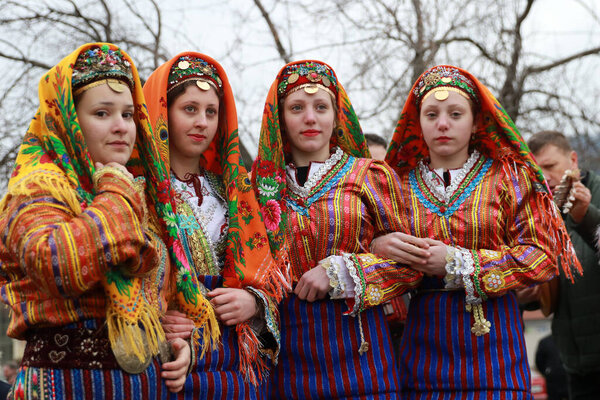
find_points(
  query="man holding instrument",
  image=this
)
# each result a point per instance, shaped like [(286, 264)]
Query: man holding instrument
[(576, 323)]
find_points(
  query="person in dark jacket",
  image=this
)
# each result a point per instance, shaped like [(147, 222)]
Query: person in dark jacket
[(576, 323), (548, 363)]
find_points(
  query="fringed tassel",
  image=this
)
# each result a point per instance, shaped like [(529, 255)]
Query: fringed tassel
[(132, 333), (481, 326), (207, 336), (551, 219), (275, 286), (566, 258), (251, 363)]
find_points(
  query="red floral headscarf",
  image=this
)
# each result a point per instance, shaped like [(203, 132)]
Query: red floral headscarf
[(268, 176), (496, 137)]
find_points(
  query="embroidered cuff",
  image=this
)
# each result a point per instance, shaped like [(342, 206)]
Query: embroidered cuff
[(358, 285), (258, 321), (463, 270), (266, 323), (340, 280), (193, 353), (467, 277)]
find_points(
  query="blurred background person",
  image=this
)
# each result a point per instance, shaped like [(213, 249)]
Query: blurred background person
[(9, 370), (576, 323), (548, 363), (377, 146)]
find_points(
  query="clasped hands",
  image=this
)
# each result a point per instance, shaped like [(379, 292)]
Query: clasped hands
[(422, 254)]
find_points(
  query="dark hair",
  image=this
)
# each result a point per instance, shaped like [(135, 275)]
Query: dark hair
[(178, 91), (374, 139), (78, 96), (538, 140)]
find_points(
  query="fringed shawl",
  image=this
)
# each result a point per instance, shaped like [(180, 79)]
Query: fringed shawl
[(248, 261)]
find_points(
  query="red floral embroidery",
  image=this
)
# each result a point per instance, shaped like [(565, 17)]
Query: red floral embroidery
[(271, 212)]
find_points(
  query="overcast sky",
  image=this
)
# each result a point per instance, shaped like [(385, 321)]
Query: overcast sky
[(555, 27)]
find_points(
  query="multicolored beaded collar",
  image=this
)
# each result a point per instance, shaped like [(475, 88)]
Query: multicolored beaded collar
[(308, 75), (189, 67), (441, 80)]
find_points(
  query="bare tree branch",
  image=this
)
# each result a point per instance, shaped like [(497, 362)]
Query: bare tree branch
[(282, 53), (562, 61)]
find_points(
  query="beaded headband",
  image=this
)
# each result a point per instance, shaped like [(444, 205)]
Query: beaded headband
[(441, 80), (194, 68), (98, 65), (310, 76)]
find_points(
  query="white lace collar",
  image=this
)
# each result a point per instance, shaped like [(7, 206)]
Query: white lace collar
[(441, 193), (315, 174)]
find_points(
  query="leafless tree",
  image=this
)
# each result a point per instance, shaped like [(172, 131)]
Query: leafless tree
[(34, 35), (389, 43), (37, 34)]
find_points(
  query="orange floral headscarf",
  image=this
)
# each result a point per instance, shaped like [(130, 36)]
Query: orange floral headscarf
[(248, 258)]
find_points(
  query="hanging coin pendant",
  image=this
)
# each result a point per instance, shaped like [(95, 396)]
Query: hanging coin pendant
[(203, 85), (130, 363), (116, 86), (441, 95), (311, 89)]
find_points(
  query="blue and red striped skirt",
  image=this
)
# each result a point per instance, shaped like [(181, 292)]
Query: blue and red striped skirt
[(319, 353), (441, 359), (217, 375)]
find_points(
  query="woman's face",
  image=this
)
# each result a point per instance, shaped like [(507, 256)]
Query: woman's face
[(193, 122), (447, 126), (107, 124), (309, 121)]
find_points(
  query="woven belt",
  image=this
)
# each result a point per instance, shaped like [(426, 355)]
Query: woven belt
[(69, 348)]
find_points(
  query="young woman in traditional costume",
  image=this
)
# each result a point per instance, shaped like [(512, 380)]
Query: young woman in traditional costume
[(192, 108), (79, 239), (327, 203), (471, 187)]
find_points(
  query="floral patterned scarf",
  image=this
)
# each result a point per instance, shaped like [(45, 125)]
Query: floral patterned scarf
[(53, 148), (268, 172), (248, 259), (496, 137)]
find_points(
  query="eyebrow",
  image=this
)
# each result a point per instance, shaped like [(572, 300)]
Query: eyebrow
[(111, 103), (195, 102)]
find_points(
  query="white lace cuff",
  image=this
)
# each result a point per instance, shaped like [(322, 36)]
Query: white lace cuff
[(340, 280), (454, 268), (459, 267)]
